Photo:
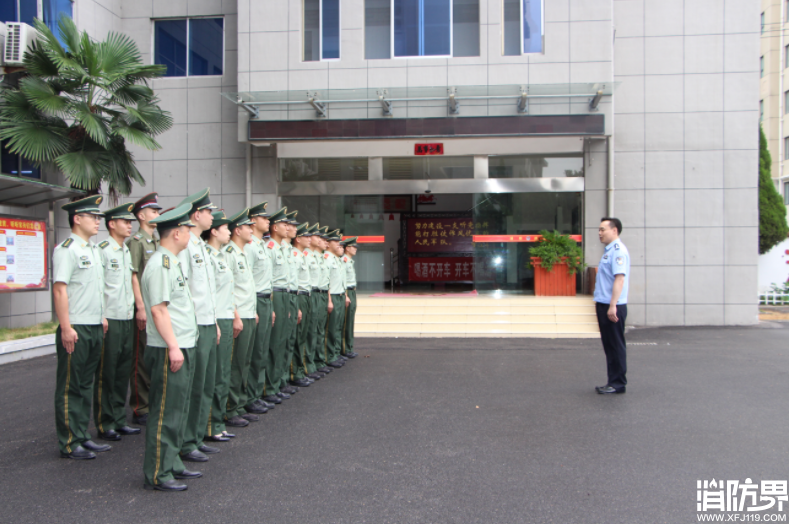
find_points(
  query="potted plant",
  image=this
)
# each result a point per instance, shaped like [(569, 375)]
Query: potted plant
[(556, 258)]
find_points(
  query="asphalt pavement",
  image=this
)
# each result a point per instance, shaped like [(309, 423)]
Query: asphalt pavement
[(445, 431)]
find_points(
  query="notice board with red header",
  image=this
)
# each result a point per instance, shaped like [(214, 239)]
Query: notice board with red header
[(23, 254)]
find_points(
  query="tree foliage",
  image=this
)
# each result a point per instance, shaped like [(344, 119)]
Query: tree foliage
[(773, 214), (554, 248), (77, 105)]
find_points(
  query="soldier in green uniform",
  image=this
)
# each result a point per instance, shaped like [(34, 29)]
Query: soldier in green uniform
[(141, 246), (350, 248), (294, 317), (244, 299), (229, 326), (112, 375), (312, 259), (322, 305), (78, 295), (281, 303), (200, 278), (170, 353), (302, 356), (260, 261), (337, 295)]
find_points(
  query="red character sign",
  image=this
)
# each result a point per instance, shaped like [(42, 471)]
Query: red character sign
[(428, 149)]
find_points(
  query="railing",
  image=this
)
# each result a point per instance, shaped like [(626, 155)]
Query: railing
[(774, 299)]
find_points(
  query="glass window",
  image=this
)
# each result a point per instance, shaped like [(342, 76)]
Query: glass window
[(787, 148), (535, 166), (323, 169), (422, 27), (377, 29), (762, 22), (193, 47), (761, 111), (428, 167), (22, 10), (52, 9), (466, 28), (786, 191), (321, 30), (522, 24), (787, 101), (15, 165), (762, 67), (787, 56)]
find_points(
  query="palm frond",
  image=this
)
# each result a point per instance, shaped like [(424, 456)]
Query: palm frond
[(118, 54), (42, 96), (95, 124), (85, 169), (136, 135), (132, 94), (35, 142)]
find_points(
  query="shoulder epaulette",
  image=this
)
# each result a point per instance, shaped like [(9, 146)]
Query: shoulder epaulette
[(68, 242), (166, 261), (104, 244), (229, 249), (137, 236)]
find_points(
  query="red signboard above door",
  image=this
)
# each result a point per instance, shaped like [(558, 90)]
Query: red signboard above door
[(428, 149)]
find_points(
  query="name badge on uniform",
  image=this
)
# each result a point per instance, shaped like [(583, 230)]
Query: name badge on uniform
[(279, 259), (180, 281), (241, 265), (606, 257), (198, 260), (85, 262), (261, 254), (114, 264), (149, 252)]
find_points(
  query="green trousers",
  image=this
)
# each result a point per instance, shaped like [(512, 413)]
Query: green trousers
[(260, 350), (167, 420), (239, 368), (281, 302), (74, 385), (303, 356), (221, 376), (202, 392), (290, 345), (111, 381), (348, 324), (334, 328), (139, 379), (320, 303)]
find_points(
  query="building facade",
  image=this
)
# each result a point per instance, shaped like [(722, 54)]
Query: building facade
[(547, 115)]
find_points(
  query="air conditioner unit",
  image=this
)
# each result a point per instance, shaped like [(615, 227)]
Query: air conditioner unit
[(18, 38)]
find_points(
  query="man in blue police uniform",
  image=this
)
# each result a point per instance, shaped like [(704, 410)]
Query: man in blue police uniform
[(611, 298)]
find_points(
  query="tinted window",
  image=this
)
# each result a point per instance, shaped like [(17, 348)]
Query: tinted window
[(170, 46), (205, 46)]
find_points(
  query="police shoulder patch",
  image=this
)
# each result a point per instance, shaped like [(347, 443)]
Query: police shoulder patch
[(68, 242), (617, 246), (104, 244), (166, 261)]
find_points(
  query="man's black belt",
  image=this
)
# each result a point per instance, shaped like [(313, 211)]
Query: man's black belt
[(264, 295), (280, 290), (351, 288), (324, 291), (337, 294), (303, 293), (292, 291), (315, 289)]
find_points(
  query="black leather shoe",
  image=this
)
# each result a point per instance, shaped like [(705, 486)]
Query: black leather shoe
[(194, 456), (236, 422), (325, 370), (609, 390), (228, 435), (300, 382), (272, 399), (110, 434), (220, 437), (128, 430), (352, 354), (291, 390), (316, 375), (208, 450), (170, 485), (263, 403), (250, 417), (283, 396), (140, 420), (335, 364), (255, 408), (78, 453), (343, 357), (96, 448), (186, 474)]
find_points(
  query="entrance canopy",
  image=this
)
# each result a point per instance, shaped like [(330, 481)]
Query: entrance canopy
[(21, 192)]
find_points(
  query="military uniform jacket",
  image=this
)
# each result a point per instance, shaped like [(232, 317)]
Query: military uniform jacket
[(200, 277), (304, 282), (323, 280), (118, 269), (337, 274), (224, 306), (313, 263), (293, 271), (243, 284), (351, 272), (279, 265), (163, 281), (142, 247), (77, 263), (259, 259)]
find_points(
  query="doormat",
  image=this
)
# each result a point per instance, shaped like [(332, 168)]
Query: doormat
[(424, 295)]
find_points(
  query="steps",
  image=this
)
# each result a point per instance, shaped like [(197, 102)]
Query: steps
[(475, 316)]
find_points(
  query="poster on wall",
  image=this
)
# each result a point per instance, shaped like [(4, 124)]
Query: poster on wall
[(439, 235), (23, 254)]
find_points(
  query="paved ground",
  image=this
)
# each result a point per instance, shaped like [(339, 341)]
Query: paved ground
[(446, 430)]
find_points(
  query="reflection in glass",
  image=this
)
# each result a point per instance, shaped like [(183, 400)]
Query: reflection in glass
[(533, 26), (205, 46), (466, 28), (323, 169), (535, 166), (170, 47), (311, 31), (428, 167), (330, 27), (377, 29), (511, 33), (422, 27)]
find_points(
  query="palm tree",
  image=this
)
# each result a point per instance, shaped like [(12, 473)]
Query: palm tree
[(78, 104)]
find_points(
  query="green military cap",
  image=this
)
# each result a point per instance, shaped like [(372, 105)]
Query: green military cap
[(219, 219), (242, 218), (334, 235), (303, 230), (198, 201), (292, 218), (150, 200), (350, 241), (313, 229), (123, 211), (89, 205), (279, 216), (322, 232), (259, 210), (175, 217)]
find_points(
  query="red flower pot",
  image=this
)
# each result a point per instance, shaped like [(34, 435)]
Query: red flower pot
[(555, 283)]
